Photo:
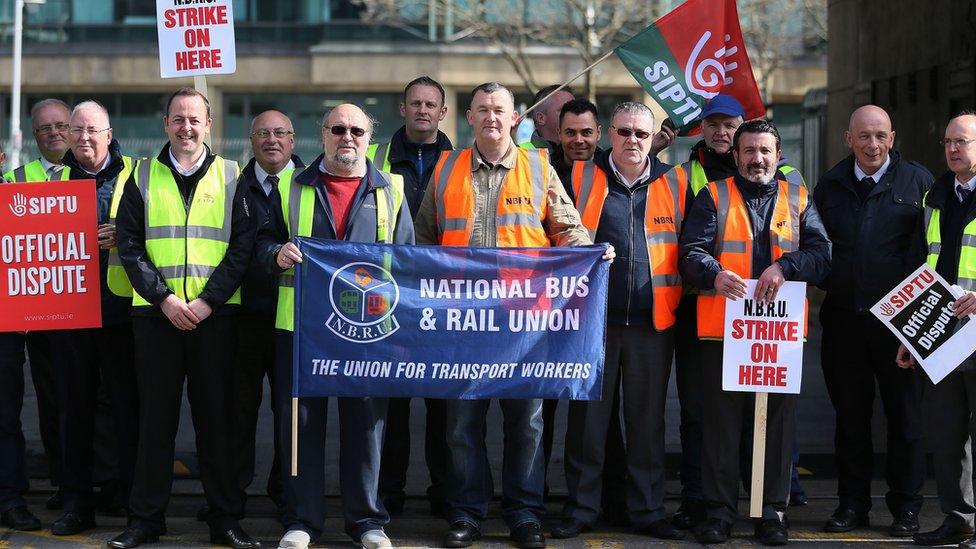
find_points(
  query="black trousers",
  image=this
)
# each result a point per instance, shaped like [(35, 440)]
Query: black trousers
[(94, 361), (396, 448), (857, 352), (165, 357), (727, 415), (13, 472), (39, 356), (255, 359), (949, 408), (688, 378)]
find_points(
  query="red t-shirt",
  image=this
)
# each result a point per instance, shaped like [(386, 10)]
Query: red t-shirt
[(341, 191)]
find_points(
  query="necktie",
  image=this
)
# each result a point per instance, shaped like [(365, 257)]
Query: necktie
[(55, 173), (864, 187), (963, 192), (272, 181)]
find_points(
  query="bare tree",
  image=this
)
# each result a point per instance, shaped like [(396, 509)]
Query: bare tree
[(513, 27)]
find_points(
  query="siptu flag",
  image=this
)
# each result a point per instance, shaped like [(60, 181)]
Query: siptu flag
[(690, 55)]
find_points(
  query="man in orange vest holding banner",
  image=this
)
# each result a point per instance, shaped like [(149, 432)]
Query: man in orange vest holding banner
[(752, 225), (495, 194), (630, 199)]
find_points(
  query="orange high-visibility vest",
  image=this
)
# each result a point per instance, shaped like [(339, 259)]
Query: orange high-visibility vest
[(663, 218), (521, 200), (733, 243)]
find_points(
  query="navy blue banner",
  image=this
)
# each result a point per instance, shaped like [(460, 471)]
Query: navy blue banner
[(449, 322)]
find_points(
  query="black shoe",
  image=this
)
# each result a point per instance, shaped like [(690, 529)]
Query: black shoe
[(691, 513), (943, 535), (394, 504), (968, 544), (72, 523), (133, 536), (236, 537), (55, 502), (713, 530), (904, 525), (772, 532), (20, 518), (569, 528), (528, 535), (461, 534), (798, 499), (846, 519), (203, 513), (660, 529)]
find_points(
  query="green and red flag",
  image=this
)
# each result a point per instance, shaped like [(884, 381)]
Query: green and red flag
[(690, 55)]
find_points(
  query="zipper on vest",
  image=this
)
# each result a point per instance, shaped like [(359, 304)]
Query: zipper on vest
[(630, 260), (186, 229)]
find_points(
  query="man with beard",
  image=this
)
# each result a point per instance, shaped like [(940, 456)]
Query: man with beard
[(736, 215), (98, 356)]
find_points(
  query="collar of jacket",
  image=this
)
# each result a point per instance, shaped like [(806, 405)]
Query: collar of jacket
[(398, 151), (247, 172), (163, 157), (843, 172), (943, 188), (310, 174), (602, 160), (710, 159), (110, 172)]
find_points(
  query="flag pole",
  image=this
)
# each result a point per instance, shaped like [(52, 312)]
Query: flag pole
[(568, 82), (294, 437)]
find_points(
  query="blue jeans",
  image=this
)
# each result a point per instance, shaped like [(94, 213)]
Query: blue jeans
[(13, 476), (470, 485)]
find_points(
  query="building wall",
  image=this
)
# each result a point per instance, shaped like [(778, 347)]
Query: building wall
[(914, 59)]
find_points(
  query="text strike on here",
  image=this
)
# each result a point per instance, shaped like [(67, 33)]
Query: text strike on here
[(201, 16), (763, 371)]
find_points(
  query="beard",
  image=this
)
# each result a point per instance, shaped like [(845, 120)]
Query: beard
[(765, 177), (348, 160)]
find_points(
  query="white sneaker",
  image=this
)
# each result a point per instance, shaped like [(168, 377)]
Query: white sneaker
[(295, 539), (375, 539)]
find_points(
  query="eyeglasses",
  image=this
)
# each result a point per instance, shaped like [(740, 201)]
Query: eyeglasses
[(76, 131), (280, 133), (957, 143), (627, 132), (51, 128), (341, 130)]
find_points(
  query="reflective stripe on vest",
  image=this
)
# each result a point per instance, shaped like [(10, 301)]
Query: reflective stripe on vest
[(381, 151), (298, 218), (966, 277), (734, 238), (32, 172), (698, 178), (186, 246), (792, 175), (117, 280), (663, 218), (521, 200)]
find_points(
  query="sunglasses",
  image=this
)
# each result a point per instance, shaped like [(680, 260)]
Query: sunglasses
[(341, 130), (627, 132)]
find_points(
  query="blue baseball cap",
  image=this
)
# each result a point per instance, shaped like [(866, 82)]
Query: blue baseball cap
[(723, 104)]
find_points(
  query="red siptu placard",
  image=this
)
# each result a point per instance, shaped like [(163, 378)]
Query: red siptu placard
[(49, 269)]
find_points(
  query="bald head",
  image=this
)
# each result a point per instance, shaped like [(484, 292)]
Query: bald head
[(345, 152), (960, 151), (90, 135), (870, 137), (272, 141)]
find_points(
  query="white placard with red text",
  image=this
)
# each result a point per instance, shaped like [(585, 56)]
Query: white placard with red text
[(919, 312), (195, 38), (763, 346)]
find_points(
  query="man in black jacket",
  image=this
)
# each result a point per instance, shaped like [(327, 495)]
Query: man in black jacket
[(184, 304), (871, 204), (412, 153), (273, 143), (756, 146)]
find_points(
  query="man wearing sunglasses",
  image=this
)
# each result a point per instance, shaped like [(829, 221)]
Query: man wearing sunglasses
[(273, 143), (626, 198), (186, 236), (468, 183), (412, 154), (346, 198)]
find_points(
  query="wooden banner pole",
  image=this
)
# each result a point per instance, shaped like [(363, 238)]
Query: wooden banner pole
[(758, 456), (294, 437), (200, 84)]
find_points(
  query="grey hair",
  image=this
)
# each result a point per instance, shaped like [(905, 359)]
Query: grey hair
[(47, 103), (370, 121), (90, 104), (490, 87), (632, 107)]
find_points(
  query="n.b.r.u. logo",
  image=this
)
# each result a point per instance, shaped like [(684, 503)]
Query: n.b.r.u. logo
[(363, 297)]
